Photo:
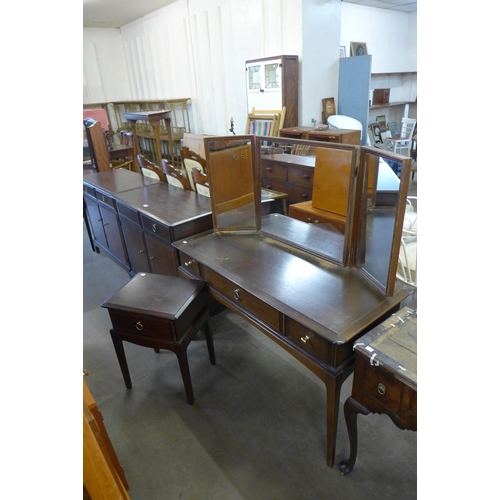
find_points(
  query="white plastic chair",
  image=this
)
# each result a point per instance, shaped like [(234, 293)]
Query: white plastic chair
[(404, 141), (342, 121)]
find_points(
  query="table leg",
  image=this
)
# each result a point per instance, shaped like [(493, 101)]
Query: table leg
[(351, 410), (333, 386), (122, 360), (181, 354), (209, 339)]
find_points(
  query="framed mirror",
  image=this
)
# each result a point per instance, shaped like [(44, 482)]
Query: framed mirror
[(319, 179), (380, 207), (234, 185)]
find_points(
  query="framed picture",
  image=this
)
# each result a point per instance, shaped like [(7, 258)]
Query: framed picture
[(329, 108), (358, 49), (375, 133), (342, 51)]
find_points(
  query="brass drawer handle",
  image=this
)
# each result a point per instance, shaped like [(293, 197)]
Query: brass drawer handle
[(154, 228), (152, 257), (188, 263), (305, 339), (304, 195), (381, 389), (305, 176), (142, 251), (139, 326), (269, 169), (236, 294), (103, 198)]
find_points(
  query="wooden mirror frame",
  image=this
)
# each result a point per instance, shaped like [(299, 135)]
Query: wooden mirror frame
[(389, 286), (228, 143)]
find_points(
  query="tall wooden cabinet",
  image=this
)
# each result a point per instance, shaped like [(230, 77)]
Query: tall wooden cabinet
[(273, 82)]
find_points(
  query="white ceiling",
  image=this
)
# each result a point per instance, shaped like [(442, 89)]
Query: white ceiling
[(118, 13)]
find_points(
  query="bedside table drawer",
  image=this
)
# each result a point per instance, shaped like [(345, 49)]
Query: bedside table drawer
[(140, 324), (89, 190), (243, 299)]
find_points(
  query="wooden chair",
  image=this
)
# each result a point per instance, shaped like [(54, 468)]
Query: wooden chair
[(200, 180), (191, 160), (98, 148), (267, 125), (280, 112), (175, 176), (149, 169)]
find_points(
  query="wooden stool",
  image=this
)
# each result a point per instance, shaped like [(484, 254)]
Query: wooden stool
[(162, 312)]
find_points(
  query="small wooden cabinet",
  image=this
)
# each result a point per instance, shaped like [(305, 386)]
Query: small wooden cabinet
[(273, 83)]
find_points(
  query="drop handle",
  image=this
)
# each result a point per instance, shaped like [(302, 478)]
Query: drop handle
[(305, 339), (236, 294), (188, 263), (139, 326), (381, 389)]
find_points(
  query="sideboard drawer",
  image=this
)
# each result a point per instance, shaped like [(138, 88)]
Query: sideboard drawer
[(301, 176), (158, 229), (89, 191), (243, 299), (129, 213), (106, 199), (308, 340)]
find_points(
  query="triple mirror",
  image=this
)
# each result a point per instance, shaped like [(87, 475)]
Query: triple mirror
[(364, 188)]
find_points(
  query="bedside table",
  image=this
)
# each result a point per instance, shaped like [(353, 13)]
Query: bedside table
[(385, 376), (162, 312)]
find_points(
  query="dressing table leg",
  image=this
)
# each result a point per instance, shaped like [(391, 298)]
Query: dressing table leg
[(333, 386)]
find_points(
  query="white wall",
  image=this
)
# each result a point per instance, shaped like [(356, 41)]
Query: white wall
[(390, 36), (198, 49)]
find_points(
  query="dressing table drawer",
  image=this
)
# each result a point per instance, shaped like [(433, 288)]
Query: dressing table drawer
[(243, 299), (189, 264), (308, 340)]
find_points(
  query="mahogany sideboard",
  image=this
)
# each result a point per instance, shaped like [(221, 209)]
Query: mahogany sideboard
[(135, 219)]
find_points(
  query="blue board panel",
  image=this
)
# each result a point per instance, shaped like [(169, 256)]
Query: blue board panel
[(354, 89)]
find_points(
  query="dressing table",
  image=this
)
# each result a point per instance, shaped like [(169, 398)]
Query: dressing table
[(312, 290)]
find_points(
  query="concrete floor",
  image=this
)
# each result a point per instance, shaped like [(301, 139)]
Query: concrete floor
[(256, 429)]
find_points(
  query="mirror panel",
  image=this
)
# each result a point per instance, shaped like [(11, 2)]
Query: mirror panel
[(233, 194), (295, 167), (381, 201)]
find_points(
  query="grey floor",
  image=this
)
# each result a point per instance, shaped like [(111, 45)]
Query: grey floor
[(257, 426)]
